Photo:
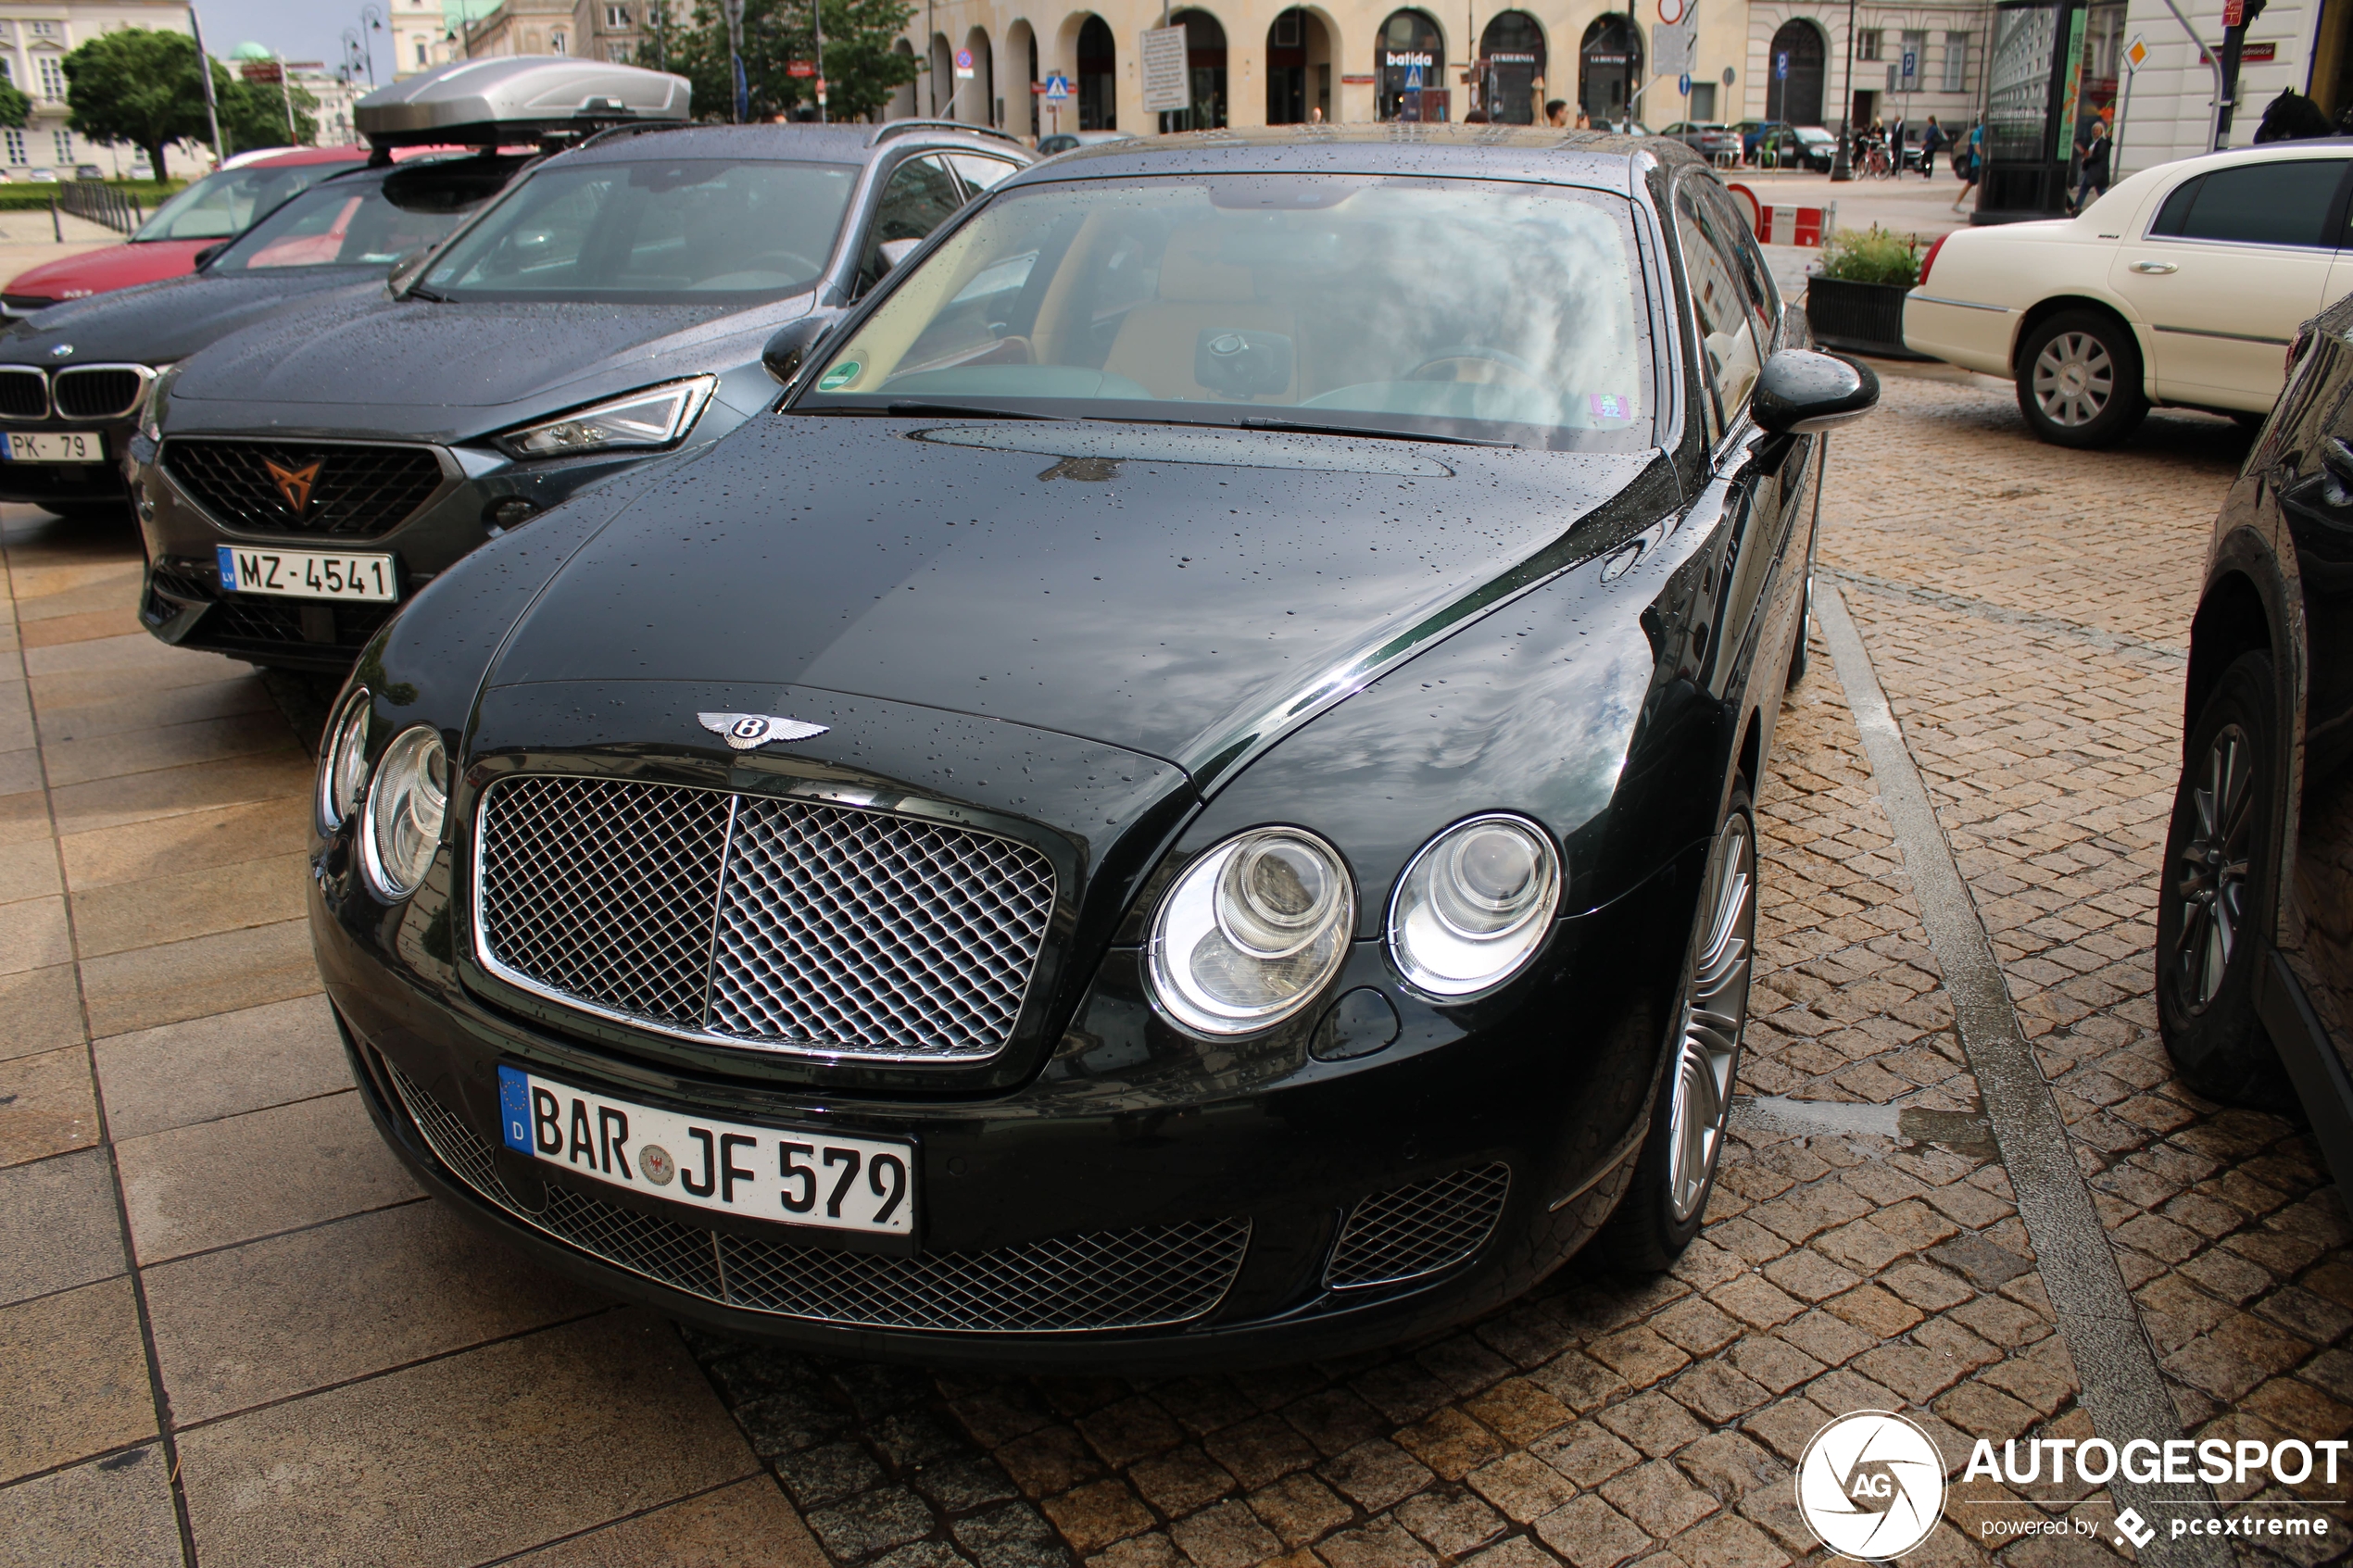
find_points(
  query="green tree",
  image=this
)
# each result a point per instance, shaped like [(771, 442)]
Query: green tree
[(15, 107), (253, 114), (140, 86), (863, 70)]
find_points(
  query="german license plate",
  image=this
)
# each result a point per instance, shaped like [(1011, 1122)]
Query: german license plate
[(793, 1176), (307, 574), (56, 446)]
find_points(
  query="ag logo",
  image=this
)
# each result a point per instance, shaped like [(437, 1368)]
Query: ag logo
[(1871, 1485)]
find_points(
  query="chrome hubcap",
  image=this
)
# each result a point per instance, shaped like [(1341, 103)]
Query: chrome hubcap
[(2073, 378), (2211, 874), (1714, 1010)]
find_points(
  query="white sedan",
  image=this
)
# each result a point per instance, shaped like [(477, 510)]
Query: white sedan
[(2183, 285)]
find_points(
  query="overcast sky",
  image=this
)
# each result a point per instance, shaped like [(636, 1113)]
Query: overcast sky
[(300, 30)]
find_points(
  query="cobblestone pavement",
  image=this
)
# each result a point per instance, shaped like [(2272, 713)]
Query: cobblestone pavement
[(320, 1367)]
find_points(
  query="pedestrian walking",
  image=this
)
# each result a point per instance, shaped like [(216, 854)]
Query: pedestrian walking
[(1932, 139), (1556, 114), (2090, 183), (1969, 163)]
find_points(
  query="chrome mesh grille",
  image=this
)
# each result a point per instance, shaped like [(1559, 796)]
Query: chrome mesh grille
[(1152, 1277), (784, 925), (600, 887), (1411, 1231)]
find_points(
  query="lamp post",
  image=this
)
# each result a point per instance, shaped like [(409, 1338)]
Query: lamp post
[(369, 17), (211, 108), (1841, 163)]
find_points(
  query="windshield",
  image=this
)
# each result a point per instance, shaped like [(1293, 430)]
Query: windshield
[(363, 222), (693, 231), (1443, 308), (221, 204)]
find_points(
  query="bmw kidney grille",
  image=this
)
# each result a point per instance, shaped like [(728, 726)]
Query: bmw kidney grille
[(782, 925)]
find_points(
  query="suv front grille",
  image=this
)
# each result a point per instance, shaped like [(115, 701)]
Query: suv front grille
[(748, 921), (1408, 1231), (1152, 1277), (24, 393), (97, 391), (353, 491)]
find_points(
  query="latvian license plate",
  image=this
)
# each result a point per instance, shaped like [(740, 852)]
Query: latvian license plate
[(794, 1175), (56, 446), (307, 574)]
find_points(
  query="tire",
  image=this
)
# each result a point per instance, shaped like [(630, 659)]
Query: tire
[(2214, 890), (2079, 380), (1674, 1173)]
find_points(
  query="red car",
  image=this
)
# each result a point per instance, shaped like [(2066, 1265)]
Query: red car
[(218, 207)]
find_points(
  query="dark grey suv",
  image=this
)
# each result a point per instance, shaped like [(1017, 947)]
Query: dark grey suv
[(299, 480)]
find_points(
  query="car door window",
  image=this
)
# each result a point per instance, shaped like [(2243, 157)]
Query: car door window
[(919, 196), (1728, 336), (2285, 203), (1755, 275), (981, 173)]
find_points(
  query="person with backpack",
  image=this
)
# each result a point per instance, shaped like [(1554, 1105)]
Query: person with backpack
[(1968, 163), (1931, 140)]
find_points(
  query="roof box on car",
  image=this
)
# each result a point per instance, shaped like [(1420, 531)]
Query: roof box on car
[(515, 98)]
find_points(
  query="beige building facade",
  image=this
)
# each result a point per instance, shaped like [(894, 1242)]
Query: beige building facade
[(521, 27), (35, 40), (1259, 62)]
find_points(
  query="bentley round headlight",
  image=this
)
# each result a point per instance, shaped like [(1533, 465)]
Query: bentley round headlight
[(1474, 905), (1252, 930), (405, 805), (343, 762)]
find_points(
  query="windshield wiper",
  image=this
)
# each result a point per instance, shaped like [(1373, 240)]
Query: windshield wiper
[(1306, 427), (961, 410), (418, 291)]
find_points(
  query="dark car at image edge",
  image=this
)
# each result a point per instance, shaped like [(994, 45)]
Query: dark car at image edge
[(1135, 822)]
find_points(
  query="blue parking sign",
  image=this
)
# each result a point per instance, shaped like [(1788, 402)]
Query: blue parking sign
[(1781, 66)]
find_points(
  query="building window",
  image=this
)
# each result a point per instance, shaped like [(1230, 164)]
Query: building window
[(64, 141), (7, 70), (15, 140), (52, 76), (1867, 44), (1914, 45), (1704, 102), (44, 30), (617, 16), (556, 42), (1956, 62), (421, 53), (621, 54)]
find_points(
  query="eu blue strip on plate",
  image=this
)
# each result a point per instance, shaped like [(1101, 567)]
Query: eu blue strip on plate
[(227, 559), (514, 1109)]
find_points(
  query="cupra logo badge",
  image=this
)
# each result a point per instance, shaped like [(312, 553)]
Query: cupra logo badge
[(295, 483), (1871, 1485), (747, 732)]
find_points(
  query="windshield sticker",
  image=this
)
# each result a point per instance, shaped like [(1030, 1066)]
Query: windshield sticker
[(1610, 406), (841, 375)]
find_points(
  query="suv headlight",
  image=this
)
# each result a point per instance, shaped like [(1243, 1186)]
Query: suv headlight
[(405, 805), (343, 762), (655, 417), (1252, 930), (1474, 905)]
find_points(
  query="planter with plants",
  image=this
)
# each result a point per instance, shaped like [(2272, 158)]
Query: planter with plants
[(1856, 302)]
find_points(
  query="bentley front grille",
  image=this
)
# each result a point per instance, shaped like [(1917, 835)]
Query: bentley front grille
[(278, 487), (97, 391), (1408, 1231), (747, 921), (24, 393), (1152, 1277)]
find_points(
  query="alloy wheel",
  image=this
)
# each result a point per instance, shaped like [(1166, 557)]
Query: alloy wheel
[(1714, 1010), (2212, 872), (2074, 378)]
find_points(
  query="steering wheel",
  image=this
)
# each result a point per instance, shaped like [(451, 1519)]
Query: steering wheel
[(799, 266), (1516, 368)]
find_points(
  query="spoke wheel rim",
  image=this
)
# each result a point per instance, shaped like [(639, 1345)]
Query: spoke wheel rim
[(2209, 872), (1715, 1011), (2074, 379)]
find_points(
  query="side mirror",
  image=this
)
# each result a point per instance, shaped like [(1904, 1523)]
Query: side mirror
[(1801, 391), (204, 257), (794, 345), (896, 251)]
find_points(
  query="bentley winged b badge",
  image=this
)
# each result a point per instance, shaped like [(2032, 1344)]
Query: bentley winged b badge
[(747, 732)]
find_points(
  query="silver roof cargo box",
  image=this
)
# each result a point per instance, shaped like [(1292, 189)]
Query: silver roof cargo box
[(516, 98)]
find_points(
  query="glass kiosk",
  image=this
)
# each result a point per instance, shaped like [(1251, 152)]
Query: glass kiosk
[(2034, 75)]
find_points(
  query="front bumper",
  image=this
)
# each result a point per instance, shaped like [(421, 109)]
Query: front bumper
[(69, 484), (1513, 1129), (182, 602)]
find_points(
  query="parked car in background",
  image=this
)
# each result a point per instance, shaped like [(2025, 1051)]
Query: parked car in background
[(73, 379), (1753, 131), (2255, 899), (1711, 141), (613, 306), (1049, 145), (2182, 286), (994, 901), (218, 207), (1797, 147)]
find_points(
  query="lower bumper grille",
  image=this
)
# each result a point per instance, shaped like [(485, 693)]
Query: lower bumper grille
[(1408, 1231), (257, 624), (1152, 1276)]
